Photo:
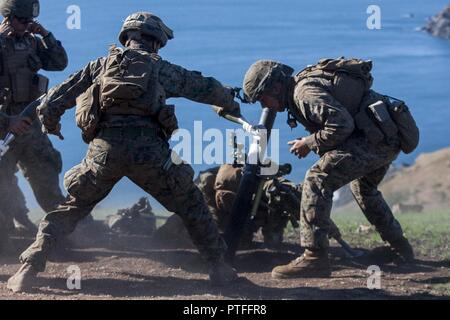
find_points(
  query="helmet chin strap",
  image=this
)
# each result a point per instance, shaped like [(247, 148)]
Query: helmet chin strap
[(289, 86)]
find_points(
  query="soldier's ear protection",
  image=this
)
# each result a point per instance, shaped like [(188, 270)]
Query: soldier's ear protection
[(36, 9)]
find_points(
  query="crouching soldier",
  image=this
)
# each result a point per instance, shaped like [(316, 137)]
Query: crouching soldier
[(277, 207), (122, 111), (279, 204), (356, 132)]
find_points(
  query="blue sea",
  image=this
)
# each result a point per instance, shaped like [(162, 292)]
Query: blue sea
[(222, 38)]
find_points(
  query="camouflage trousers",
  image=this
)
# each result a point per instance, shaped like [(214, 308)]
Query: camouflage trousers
[(364, 166), (40, 164), (142, 160), (12, 205)]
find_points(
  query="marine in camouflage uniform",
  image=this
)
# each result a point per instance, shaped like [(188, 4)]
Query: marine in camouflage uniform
[(279, 205), (346, 156), (131, 146), (219, 186), (225, 186), (205, 182), (25, 48), (17, 126)]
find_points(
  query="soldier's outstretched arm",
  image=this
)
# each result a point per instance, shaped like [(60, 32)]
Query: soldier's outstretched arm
[(52, 53), (179, 82), (63, 96)]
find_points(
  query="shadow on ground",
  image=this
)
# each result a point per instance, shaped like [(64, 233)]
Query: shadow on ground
[(138, 285), (256, 260)]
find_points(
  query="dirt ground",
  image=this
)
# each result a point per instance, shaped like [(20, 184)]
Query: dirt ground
[(131, 267)]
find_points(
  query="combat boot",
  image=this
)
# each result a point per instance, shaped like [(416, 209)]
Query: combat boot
[(403, 249), (23, 280), (312, 264), (221, 274)]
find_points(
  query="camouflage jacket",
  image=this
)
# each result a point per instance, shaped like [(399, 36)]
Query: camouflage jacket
[(176, 81), (20, 60), (51, 53), (329, 123)]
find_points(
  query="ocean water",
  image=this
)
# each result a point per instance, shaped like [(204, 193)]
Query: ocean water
[(222, 38)]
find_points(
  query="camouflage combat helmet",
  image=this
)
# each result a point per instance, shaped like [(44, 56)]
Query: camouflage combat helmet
[(148, 24), (261, 75), (20, 8)]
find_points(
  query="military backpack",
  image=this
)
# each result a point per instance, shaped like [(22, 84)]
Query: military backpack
[(380, 117), (330, 68), (350, 79), (129, 84), (383, 118)]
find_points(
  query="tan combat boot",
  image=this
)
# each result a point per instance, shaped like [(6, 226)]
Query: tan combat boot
[(309, 265), (23, 280), (221, 274)]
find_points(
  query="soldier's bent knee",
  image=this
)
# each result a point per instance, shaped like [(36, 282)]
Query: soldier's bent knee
[(180, 179), (80, 182)]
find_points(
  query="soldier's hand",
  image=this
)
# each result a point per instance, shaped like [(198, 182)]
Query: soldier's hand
[(299, 148), (54, 129), (36, 28), (6, 28), (19, 125), (49, 120), (247, 127)]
